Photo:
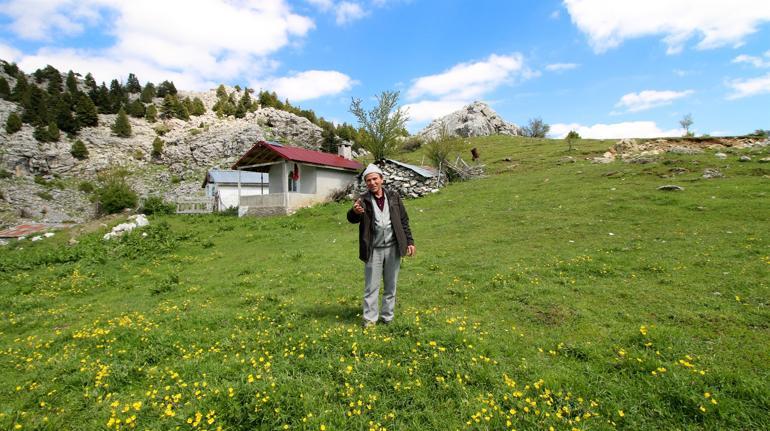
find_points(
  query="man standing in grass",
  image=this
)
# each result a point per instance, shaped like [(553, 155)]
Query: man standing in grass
[(383, 238)]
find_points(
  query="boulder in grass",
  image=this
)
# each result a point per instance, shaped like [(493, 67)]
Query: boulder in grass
[(671, 188)]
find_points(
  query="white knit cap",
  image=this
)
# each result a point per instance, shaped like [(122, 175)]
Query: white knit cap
[(372, 169)]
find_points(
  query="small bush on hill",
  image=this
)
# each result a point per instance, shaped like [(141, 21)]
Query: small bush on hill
[(86, 187), (13, 123), (157, 147), (79, 150), (412, 143), (156, 205), (115, 195), (45, 195), (5, 174)]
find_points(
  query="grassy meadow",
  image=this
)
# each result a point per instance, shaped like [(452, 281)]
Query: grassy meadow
[(546, 294)]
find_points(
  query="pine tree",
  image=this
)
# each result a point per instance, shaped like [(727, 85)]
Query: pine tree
[(132, 84), (101, 99), (221, 91), (11, 69), (36, 108), (122, 127), (117, 96), (20, 90), (148, 93), (41, 133), (5, 89), (79, 150), (13, 123), (72, 83), (64, 118), (90, 82), (85, 112), (53, 132), (165, 88), (198, 108), (151, 114), (136, 109), (167, 108), (180, 109), (244, 105)]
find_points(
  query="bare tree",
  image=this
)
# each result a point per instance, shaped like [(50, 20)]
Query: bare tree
[(686, 122)]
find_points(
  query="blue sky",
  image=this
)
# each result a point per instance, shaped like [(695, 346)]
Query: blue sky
[(604, 68)]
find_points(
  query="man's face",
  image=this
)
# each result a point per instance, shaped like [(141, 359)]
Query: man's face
[(373, 182)]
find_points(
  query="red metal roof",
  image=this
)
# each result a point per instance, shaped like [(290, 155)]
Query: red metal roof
[(295, 154)]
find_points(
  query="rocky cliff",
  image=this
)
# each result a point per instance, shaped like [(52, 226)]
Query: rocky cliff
[(190, 148), (476, 119)]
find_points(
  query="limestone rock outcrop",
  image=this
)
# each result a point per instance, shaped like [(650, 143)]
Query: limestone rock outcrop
[(476, 119)]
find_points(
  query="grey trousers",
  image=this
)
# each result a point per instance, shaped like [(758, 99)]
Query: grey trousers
[(384, 264)]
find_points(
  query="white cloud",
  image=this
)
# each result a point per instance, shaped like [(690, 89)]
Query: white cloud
[(323, 5), (749, 87), (9, 53), (714, 22), (754, 61), (427, 110), (347, 12), (471, 80), (310, 84), (629, 129), (647, 99), (559, 67), (206, 40)]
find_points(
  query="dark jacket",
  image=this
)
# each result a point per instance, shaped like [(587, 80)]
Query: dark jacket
[(399, 220)]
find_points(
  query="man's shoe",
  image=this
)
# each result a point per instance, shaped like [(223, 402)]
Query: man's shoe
[(367, 324), (386, 322)]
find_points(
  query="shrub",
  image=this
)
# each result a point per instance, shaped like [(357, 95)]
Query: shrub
[(5, 174), (161, 129), (115, 195), (571, 138), (412, 143), (176, 179), (79, 150), (86, 187), (45, 195), (156, 205), (138, 154), (13, 123), (157, 147)]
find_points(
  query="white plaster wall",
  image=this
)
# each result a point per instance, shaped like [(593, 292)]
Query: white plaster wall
[(228, 196), (307, 179), (277, 178), (329, 180)]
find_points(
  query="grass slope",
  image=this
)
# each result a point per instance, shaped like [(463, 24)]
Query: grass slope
[(571, 295)]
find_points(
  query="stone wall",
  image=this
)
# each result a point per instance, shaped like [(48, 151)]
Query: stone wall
[(405, 181)]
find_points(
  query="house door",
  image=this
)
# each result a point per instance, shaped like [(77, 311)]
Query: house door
[(294, 179)]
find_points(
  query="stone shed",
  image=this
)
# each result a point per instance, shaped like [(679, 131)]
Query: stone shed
[(409, 180)]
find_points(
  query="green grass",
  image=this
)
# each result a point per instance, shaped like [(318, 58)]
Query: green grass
[(571, 295)]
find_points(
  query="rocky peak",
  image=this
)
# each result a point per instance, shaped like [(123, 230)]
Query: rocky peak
[(476, 119)]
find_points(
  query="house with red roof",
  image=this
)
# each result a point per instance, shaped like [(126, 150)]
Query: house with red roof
[(297, 177)]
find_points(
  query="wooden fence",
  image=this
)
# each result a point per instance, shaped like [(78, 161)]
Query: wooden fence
[(198, 205)]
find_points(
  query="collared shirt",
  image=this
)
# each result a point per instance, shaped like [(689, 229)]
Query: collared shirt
[(380, 201)]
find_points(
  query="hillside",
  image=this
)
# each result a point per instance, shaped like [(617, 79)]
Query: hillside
[(553, 292), (30, 168)]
